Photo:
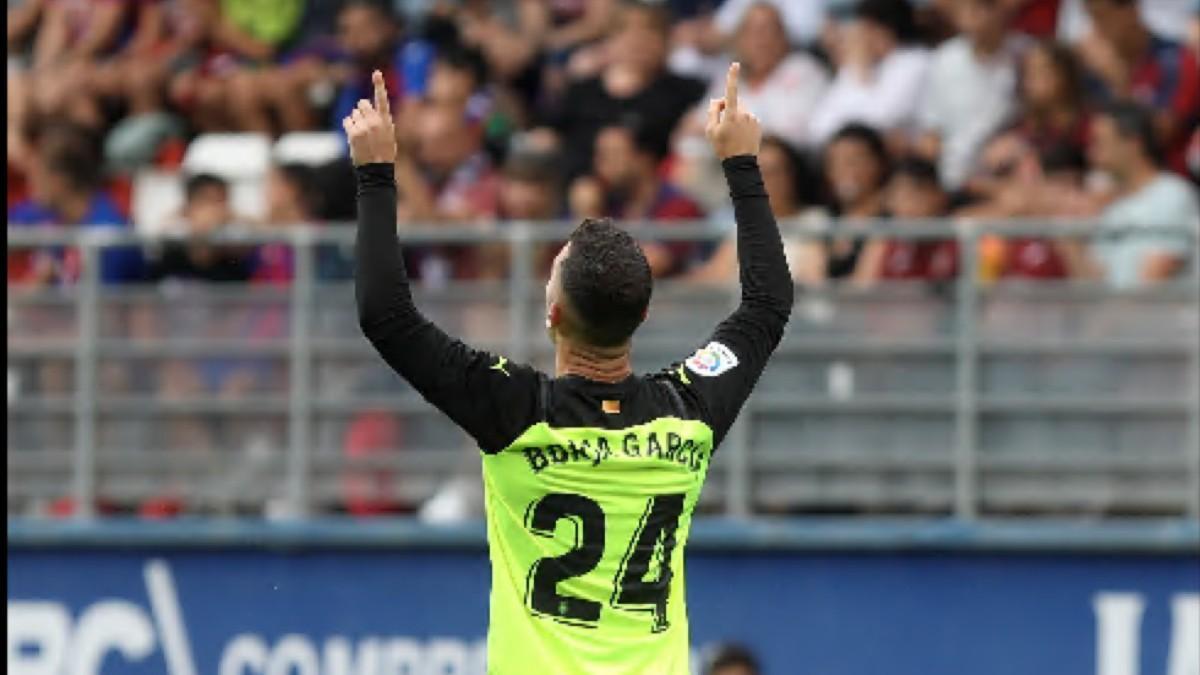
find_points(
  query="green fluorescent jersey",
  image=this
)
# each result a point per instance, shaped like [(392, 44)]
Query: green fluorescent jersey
[(590, 486), (587, 527)]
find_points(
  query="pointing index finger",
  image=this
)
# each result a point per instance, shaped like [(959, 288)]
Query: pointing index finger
[(731, 86), (381, 96)]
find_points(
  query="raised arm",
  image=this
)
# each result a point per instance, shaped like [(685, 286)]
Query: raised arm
[(766, 282), (721, 374), (484, 394)]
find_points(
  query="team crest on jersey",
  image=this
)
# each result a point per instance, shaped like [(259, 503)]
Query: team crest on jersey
[(712, 360)]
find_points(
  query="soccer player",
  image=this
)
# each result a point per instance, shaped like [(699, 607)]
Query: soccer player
[(591, 475)]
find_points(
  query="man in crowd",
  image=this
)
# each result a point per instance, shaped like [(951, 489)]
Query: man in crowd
[(971, 87), (635, 83), (626, 186), (1125, 146), (66, 186), (1128, 62), (880, 73)]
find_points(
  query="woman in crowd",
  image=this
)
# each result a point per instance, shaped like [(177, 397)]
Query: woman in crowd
[(1051, 92), (857, 167), (785, 178)]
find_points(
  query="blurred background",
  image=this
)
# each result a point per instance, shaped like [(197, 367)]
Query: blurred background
[(977, 449)]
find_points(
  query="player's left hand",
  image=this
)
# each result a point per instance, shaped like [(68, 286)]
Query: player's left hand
[(370, 129)]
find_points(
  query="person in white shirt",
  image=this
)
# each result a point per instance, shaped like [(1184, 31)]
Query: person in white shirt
[(1123, 145), (781, 88), (698, 44), (971, 88), (880, 79)]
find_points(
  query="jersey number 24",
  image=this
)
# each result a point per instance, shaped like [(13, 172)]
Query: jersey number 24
[(631, 590)]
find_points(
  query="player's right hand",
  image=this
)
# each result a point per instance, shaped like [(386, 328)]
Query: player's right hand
[(732, 131), (370, 129)]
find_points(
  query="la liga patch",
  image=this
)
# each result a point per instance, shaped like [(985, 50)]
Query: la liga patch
[(712, 360)]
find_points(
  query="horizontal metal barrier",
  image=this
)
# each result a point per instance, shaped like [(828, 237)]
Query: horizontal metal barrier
[(968, 399), (707, 534)]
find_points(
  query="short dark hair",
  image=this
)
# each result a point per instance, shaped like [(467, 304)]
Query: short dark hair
[(918, 169), (465, 59), (799, 164), (202, 181), (659, 15), (70, 151), (303, 179), (733, 655), (1137, 122), (643, 137), (870, 138), (895, 15), (607, 282), (1062, 157)]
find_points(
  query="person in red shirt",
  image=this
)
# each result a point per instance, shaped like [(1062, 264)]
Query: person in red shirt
[(914, 194), (625, 185), (1026, 184), (1125, 61)]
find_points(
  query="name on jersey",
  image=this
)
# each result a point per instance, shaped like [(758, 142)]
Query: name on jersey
[(667, 447)]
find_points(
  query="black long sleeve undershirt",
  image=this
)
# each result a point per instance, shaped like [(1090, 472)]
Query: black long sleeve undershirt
[(489, 398), (749, 336), (765, 279)]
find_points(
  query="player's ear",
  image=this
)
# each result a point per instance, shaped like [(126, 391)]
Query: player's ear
[(554, 315)]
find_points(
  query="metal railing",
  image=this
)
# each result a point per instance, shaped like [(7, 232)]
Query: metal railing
[(965, 399)]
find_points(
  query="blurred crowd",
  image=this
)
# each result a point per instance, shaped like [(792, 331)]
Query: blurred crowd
[(552, 110), (890, 112)]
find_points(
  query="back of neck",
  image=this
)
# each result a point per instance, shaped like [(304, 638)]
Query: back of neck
[(600, 364)]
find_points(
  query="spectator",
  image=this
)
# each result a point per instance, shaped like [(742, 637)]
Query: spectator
[(206, 210), (880, 77), (529, 191), (1024, 185), (209, 79), (914, 193), (511, 41), (698, 43), (1168, 18), (733, 659), (1051, 98), (370, 490), (780, 88), (856, 166), (634, 84), (23, 21), (1125, 146), (626, 186), (786, 181), (66, 190), (972, 79), (72, 38), (291, 197), (368, 37), (1125, 61), (446, 177)]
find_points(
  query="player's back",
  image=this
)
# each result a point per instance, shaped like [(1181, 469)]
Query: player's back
[(588, 513)]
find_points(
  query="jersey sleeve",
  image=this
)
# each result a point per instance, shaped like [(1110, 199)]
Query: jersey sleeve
[(490, 398), (719, 376)]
